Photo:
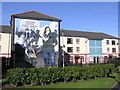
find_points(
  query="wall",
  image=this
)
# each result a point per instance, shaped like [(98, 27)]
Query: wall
[(105, 46), (84, 48), (5, 45)]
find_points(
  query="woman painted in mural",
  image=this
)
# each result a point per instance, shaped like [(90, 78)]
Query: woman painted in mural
[(49, 42)]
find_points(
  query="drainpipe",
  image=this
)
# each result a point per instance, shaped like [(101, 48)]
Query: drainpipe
[(86, 51), (63, 46)]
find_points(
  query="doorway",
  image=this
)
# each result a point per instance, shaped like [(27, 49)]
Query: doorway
[(96, 60)]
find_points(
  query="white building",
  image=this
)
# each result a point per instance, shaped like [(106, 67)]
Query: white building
[(88, 47), (5, 41)]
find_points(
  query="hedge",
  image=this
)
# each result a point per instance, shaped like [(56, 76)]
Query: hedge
[(117, 62), (43, 76)]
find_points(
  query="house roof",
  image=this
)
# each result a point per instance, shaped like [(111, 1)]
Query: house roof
[(89, 35), (5, 29), (70, 33), (35, 15)]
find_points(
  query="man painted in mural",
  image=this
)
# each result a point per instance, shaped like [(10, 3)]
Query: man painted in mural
[(20, 39), (37, 43), (49, 42), (30, 52), (36, 37), (33, 37), (29, 34)]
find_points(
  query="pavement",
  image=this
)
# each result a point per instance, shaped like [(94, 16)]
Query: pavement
[(116, 87)]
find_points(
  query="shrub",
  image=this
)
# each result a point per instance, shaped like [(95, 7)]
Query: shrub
[(43, 76), (117, 62)]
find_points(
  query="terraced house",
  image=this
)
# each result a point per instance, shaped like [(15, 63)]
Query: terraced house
[(5, 41), (85, 47), (89, 47)]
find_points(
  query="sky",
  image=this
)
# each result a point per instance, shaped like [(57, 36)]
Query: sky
[(82, 16)]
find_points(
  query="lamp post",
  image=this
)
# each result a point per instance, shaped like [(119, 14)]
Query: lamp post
[(119, 45), (86, 51), (63, 47), (12, 23)]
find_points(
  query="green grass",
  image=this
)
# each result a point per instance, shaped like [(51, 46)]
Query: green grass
[(98, 83), (106, 82)]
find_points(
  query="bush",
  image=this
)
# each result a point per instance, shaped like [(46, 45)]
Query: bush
[(43, 76), (117, 62)]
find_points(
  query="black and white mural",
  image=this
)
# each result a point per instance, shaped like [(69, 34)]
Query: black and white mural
[(39, 39)]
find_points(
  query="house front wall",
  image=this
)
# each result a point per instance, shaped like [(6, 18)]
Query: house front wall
[(107, 48), (91, 51), (85, 54), (83, 45), (5, 44)]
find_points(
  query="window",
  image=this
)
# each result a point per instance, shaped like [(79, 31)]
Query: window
[(92, 51), (105, 57), (69, 41), (107, 42), (92, 42), (69, 49), (108, 49), (77, 41), (82, 58), (113, 50), (113, 42), (77, 49), (98, 43), (98, 51)]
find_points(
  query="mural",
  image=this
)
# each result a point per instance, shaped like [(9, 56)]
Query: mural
[(39, 39)]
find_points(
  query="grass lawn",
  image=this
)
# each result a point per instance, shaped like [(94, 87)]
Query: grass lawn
[(98, 83), (106, 82)]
